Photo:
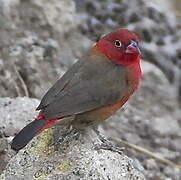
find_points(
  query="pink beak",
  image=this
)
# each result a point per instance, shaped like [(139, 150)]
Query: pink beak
[(133, 48)]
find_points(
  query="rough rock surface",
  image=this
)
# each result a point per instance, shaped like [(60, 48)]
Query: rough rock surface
[(16, 113), (56, 154), (38, 41)]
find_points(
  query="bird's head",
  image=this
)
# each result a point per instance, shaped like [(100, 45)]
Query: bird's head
[(120, 46)]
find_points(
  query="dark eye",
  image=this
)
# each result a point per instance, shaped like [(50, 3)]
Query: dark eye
[(117, 43)]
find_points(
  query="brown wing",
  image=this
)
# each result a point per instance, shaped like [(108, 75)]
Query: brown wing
[(59, 85), (95, 83)]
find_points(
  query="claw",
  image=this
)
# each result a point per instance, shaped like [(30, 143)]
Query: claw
[(106, 144), (110, 147)]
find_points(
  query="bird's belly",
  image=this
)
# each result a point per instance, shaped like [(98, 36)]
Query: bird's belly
[(93, 117)]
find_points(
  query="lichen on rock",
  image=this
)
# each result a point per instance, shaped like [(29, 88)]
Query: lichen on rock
[(69, 155)]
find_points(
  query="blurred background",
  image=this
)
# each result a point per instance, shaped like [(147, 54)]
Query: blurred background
[(40, 39)]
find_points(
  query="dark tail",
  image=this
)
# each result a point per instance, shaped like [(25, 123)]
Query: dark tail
[(29, 131)]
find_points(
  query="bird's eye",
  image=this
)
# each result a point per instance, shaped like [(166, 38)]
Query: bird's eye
[(117, 43)]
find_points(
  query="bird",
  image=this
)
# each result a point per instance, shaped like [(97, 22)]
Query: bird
[(93, 89)]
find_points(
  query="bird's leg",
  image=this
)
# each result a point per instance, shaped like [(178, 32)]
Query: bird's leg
[(106, 144)]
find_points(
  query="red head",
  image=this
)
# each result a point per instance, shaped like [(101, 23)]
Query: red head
[(120, 46)]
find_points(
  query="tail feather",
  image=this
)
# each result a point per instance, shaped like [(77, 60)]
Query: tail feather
[(29, 131)]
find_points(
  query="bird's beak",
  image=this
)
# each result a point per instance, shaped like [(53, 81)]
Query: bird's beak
[(133, 48)]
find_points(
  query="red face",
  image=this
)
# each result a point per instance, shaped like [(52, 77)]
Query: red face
[(120, 46)]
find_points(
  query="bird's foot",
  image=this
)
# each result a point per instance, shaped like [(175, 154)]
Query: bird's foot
[(106, 144), (109, 146)]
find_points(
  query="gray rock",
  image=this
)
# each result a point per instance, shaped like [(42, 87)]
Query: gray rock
[(36, 50), (3, 144), (57, 154), (151, 164), (58, 14), (166, 126), (16, 113)]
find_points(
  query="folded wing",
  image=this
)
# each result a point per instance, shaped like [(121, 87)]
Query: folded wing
[(88, 85)]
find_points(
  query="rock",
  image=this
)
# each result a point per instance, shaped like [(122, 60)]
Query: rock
[(172, 173), (3, 144), (36, 50), (16, 113), (57, 154), (166, 126), (60, 15), (5, 153), (151, 164), (40, 16)]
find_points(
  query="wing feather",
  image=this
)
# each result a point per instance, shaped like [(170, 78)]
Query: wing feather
[(91, 85), (59, 85)]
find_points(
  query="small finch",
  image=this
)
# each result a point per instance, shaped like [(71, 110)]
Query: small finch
[(93, 89)]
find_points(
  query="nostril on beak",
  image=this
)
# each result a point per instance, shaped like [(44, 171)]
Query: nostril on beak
[(133, 48)]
